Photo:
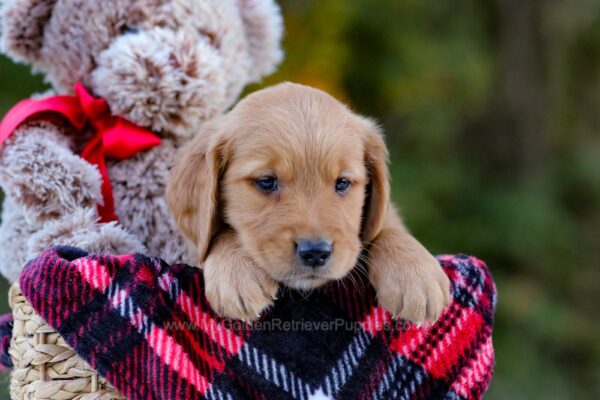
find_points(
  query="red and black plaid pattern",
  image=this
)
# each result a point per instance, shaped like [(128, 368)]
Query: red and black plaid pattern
[(6, 326), (148, 329)]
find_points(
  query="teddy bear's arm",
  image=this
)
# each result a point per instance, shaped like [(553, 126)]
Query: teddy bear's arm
[(42, 174)]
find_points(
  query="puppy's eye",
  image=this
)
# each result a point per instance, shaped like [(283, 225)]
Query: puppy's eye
[(342, 185), (266, 184)]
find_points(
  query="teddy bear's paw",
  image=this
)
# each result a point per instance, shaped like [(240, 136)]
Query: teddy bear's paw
[(45, 178), (14, 230), (236, 288), (417, 290), (162, 79), (82, 229)]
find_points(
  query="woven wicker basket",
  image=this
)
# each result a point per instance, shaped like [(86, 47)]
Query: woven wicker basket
[(45, 367)]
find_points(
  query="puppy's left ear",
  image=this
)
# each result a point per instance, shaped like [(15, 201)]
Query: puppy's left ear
[(378, 189)]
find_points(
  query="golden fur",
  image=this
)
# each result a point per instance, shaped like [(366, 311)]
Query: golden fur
[(246, 238)]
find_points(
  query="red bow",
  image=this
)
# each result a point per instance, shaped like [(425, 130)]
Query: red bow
[(114, 137)]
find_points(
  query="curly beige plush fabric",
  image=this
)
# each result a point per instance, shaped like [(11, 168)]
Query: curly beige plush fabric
[(167, 65)]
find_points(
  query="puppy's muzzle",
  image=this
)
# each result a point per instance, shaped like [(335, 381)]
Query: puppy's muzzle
[(314, 253)]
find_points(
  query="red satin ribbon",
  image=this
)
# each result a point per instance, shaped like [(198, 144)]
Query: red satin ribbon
[(114, 137)]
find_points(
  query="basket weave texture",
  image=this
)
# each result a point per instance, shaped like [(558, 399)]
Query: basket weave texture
[(45, 367)]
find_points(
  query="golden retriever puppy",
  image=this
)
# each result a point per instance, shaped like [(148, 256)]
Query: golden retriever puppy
[(291, 187)]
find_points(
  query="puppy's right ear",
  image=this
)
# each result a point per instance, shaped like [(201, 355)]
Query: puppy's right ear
[(23, 23), (192, 191)]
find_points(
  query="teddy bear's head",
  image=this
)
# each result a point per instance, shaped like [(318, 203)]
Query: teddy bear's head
[(163, 64)]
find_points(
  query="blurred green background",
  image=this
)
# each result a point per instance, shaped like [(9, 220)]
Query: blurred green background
[(492, 115)]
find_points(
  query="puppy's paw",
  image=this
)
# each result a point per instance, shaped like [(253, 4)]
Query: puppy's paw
[(238, 290), (416, 289)]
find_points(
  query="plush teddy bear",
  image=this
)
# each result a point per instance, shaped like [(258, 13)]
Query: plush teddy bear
[(161, 66)]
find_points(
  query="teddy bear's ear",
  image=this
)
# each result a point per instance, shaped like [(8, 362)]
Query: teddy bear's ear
[(264, 28), (22, 27)]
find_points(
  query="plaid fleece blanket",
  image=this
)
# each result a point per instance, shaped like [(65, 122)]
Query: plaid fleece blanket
[(148, 329)]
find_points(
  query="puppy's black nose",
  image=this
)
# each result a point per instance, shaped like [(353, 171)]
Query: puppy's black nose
[(314, 253)]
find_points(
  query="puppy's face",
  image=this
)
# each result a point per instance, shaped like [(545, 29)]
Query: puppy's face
[(299, 178), (295, 195)]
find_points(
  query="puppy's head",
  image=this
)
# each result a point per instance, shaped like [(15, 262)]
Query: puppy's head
[(300, 178)]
